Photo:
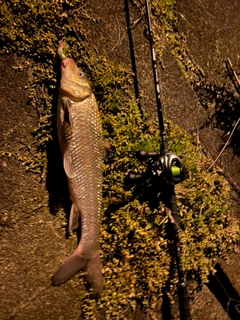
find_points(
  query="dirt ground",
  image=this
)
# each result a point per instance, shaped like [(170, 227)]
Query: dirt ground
[(32, 240)]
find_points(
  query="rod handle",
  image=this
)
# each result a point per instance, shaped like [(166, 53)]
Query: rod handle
[(183, 300)]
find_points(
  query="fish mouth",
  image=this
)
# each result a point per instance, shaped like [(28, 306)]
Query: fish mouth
[(65, 62)]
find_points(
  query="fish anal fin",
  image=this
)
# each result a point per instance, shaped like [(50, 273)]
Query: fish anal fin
[(74, 218)]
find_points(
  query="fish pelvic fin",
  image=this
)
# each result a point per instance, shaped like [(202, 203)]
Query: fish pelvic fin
[(74, 264), (74, 218)]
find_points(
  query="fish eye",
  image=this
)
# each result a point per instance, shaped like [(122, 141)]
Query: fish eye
[(81, 74)]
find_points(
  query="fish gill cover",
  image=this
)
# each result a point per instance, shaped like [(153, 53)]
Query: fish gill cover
[(135, 250)]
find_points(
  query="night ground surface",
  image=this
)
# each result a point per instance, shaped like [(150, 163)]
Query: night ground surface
[(31, 239)]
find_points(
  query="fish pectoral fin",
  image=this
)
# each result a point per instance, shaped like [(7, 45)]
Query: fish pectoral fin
[(67, 165), (74, 218), (66, 106)]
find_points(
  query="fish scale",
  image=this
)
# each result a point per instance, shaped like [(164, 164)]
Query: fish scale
[(86, 155)]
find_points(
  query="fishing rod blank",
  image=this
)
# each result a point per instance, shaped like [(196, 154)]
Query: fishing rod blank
[(156, 82), (169, 170)]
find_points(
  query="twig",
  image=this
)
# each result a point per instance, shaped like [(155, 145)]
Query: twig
[(236, 81), (182, 16), (131, 27), (137, 21), (225, 145), (171, 218), (119, 37)]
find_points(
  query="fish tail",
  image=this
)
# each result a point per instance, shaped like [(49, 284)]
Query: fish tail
[(94, 274), (72, 267), (73, 264)]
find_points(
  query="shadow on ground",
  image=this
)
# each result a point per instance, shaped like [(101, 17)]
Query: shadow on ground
[(221, 286)]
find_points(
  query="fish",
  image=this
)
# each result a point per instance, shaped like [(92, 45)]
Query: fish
[(80, 139)]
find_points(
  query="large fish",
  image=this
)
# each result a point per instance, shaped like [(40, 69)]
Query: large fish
[(80, 139)]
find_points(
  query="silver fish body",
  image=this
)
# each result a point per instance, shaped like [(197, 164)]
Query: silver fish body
[(80, 139)]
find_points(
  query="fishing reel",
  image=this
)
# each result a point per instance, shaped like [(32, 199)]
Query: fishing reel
[(169, 166)]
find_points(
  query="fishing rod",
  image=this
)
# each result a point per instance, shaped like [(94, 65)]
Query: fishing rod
[(166, 169)]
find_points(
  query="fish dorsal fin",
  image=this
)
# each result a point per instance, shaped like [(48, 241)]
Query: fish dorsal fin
[(74, 218)]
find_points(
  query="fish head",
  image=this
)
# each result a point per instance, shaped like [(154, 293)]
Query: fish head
[(74, 83)]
